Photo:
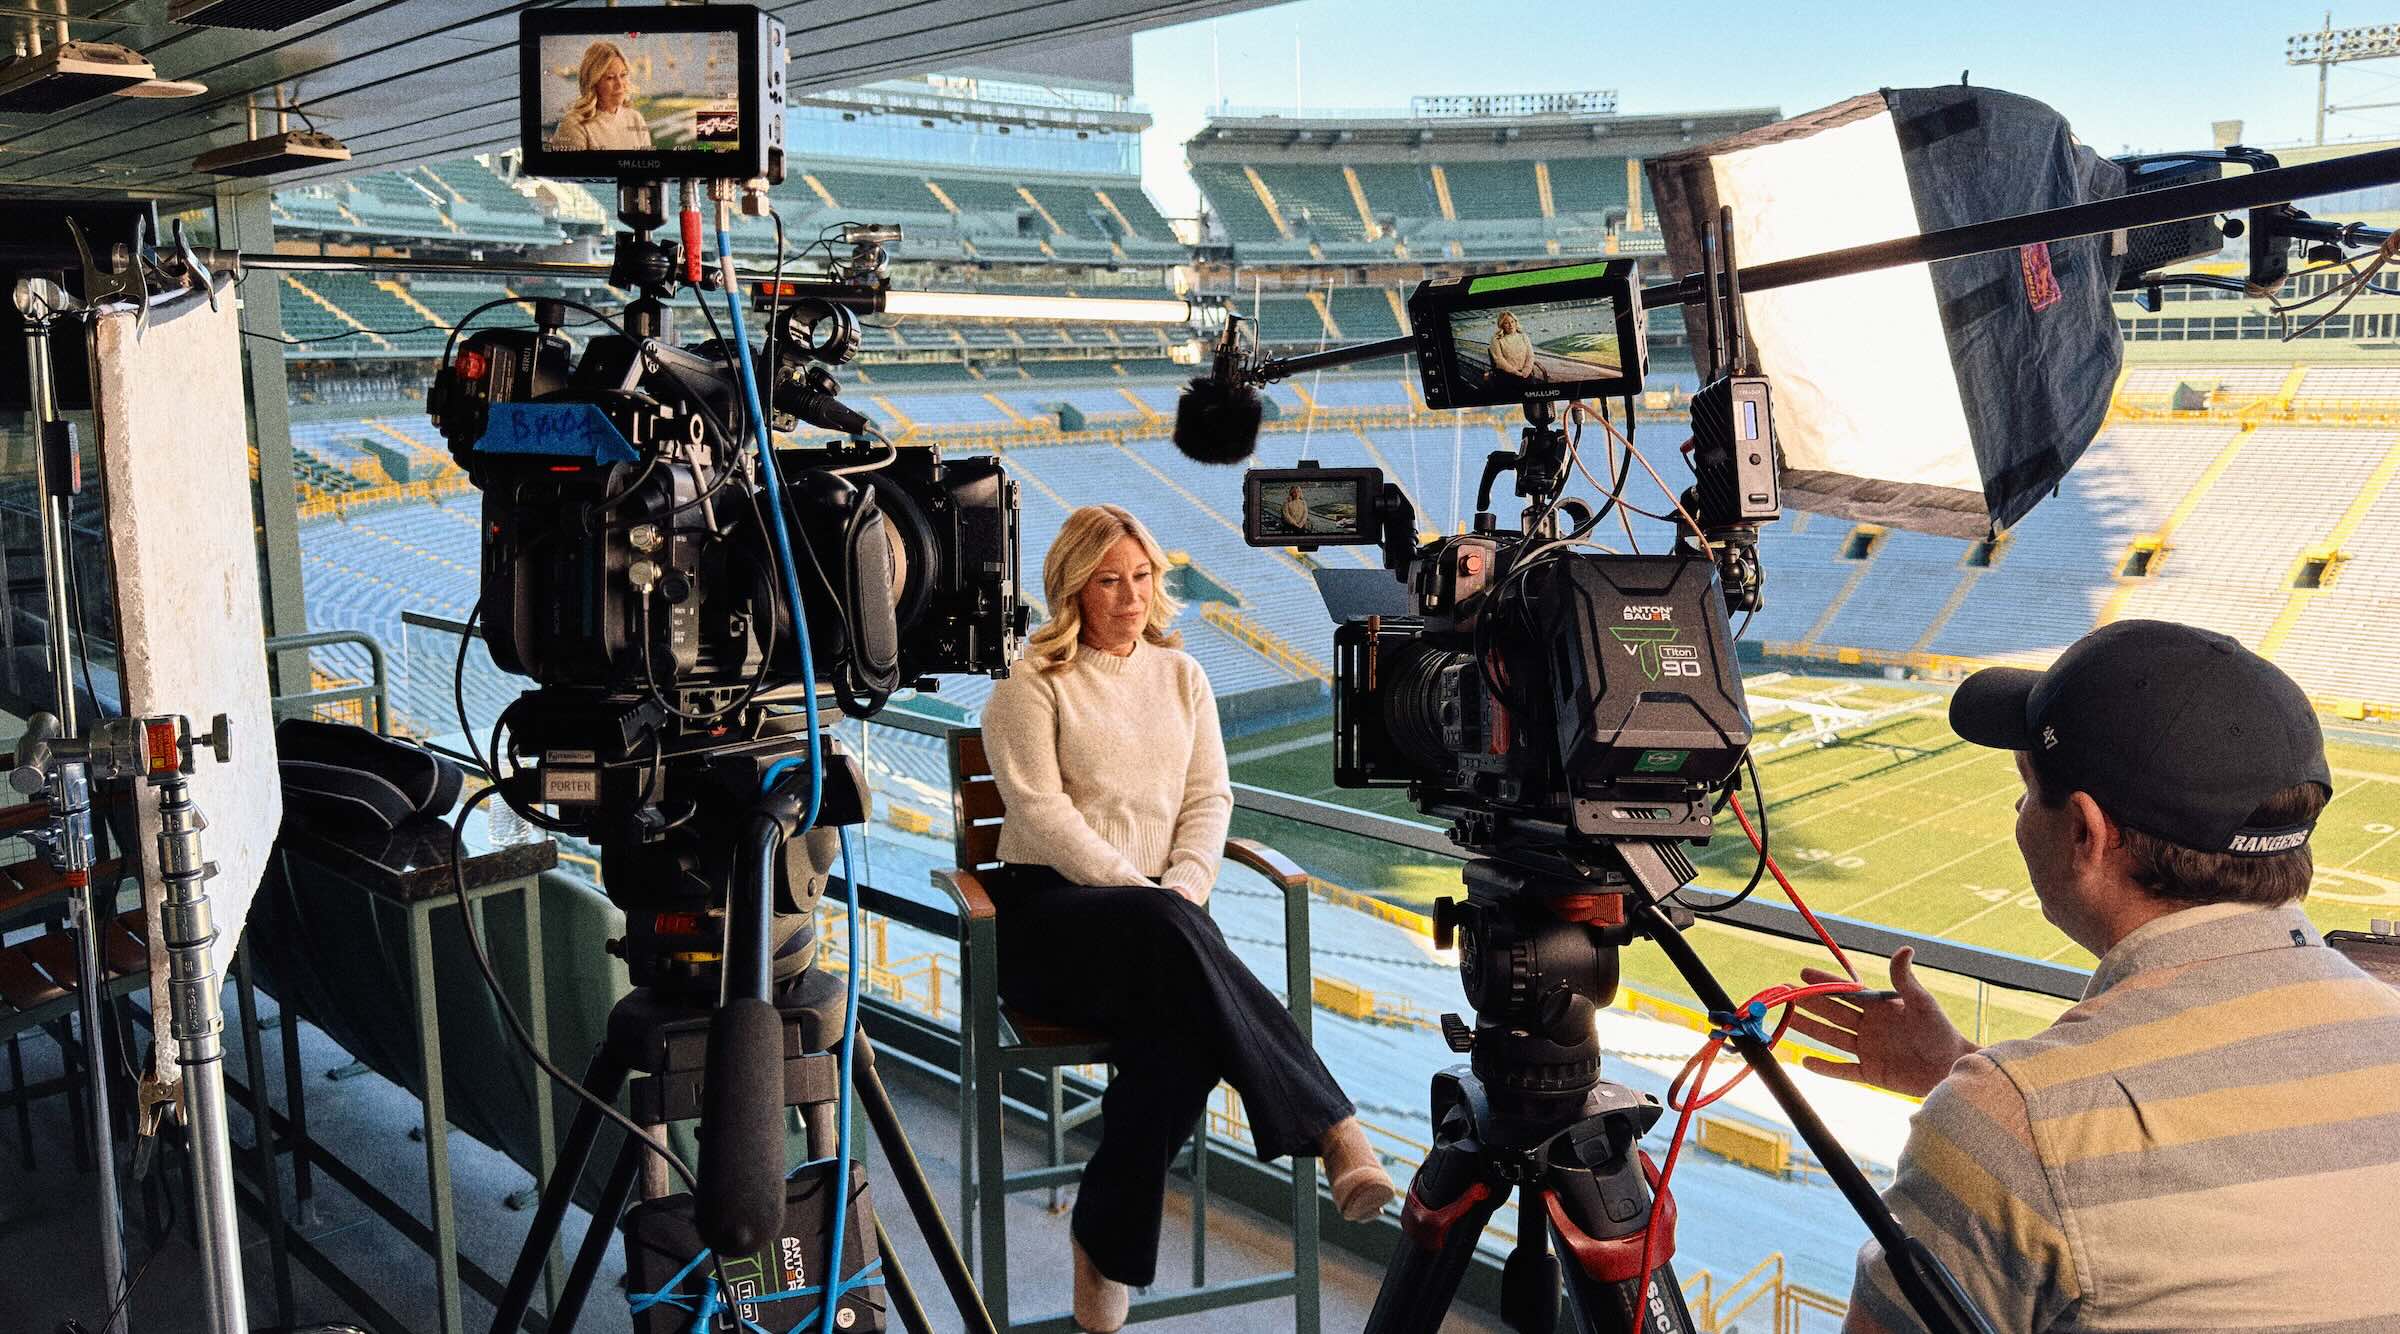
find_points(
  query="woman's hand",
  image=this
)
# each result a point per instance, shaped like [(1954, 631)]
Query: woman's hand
[(1197, 897), (1902, 1039)]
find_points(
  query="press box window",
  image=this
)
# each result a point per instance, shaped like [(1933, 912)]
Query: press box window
[(1985, 554), (2317, 569), (1862, 542), (2142, 561)]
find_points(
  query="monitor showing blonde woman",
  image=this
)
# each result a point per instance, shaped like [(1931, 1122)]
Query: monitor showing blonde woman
[(602, 118)]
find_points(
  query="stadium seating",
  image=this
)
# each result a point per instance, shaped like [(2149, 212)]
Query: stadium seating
[(1494, 209), (1587, 185), (485, 208), (2347, 636), (2235, 509), (1316, 201), (2054, 578), (393, 202), (1498, 191), (1365, 313), (2229, 563), (1397, 190)]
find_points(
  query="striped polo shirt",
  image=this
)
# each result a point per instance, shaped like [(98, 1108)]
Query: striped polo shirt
[(2209, 1140)]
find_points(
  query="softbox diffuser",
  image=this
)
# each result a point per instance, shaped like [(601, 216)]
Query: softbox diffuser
[(1945, 398)]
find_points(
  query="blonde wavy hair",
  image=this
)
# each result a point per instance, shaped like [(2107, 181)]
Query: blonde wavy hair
[(588, 75), (1074, 557)]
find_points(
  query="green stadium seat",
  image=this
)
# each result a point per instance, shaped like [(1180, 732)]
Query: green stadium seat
[(1587, 185), (1397, 190), (980, 195), (874, 195), (1493, 190), (1364, 313), (1315, 201), (1237, 206)]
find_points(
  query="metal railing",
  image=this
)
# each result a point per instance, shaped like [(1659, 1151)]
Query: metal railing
[(916, 1030), (376, 692)]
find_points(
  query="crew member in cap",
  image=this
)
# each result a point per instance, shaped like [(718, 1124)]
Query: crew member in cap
[(2210, 1140)]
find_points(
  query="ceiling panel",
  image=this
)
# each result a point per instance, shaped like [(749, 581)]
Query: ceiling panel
[(404, 81)]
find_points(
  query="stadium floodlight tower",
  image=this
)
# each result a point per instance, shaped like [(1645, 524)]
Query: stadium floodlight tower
[(2330, 46)]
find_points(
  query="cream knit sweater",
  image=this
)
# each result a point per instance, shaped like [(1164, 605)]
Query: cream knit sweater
[(1113, 769)]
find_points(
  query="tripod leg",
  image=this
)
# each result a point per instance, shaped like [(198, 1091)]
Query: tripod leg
[(919, 1193), (1529, 1284), (1597, 1220), (596, 1239), (604, 1078), (1454, 1194), (1595, 1306), (903, 1293)]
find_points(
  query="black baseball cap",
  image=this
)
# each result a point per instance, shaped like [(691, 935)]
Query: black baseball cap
[(2176, 731)]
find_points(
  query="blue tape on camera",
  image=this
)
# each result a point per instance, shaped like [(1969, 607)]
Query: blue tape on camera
[(569, 432)]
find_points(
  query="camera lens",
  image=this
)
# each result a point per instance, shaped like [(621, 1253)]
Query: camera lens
[(1417, 689)]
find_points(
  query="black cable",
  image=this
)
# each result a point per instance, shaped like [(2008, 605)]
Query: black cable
[(126, 1298), (389, 333), (598, 317), (774, 308), (1757, 872), (346, 333), (458, 689), (741, 402), (83, 640), (508, 1012)]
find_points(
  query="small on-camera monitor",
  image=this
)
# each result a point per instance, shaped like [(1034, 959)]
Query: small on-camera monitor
[(1290, 507), (1573, 331), (651, 93)]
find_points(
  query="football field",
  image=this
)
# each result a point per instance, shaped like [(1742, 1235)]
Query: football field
[(1877, 812)]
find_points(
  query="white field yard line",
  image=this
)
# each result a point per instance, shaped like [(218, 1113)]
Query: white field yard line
[(2372, 849), (1880, 791), (1971, 918), (2363, 779), (1842, 774), (1920, 823), (1851, 910), (1273, 749)]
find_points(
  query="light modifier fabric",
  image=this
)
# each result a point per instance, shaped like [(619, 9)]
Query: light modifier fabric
[(1948, 397)]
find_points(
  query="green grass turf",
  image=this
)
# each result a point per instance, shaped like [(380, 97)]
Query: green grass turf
[(1900, 824)]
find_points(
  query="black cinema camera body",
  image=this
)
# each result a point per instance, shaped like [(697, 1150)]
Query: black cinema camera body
[(627, 569), (625, 544), (1536, 694), (1546, 699)]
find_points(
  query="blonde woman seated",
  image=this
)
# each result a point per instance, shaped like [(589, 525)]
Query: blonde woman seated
[(1105, 747), (602, 116)]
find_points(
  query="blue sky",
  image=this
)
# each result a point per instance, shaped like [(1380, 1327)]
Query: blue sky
[(2199, 62)]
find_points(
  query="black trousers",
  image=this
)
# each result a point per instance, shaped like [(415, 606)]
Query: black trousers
[(1149, 969)]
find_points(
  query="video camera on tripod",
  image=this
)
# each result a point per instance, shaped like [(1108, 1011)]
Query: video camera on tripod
[(1575, 716), (675, 579)]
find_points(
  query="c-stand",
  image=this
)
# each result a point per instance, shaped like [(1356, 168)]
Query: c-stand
[(1537, 940)]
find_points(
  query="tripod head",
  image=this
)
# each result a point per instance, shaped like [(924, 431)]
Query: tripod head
[(670, 809)]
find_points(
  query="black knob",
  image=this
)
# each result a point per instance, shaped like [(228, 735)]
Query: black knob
[(1445, 921), (1456, 1033)]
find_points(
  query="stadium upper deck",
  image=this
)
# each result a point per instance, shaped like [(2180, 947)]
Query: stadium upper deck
[(1498, 179)]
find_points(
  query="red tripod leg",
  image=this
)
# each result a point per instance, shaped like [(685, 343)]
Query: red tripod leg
[(1600, 1224), (1450, 1200)]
